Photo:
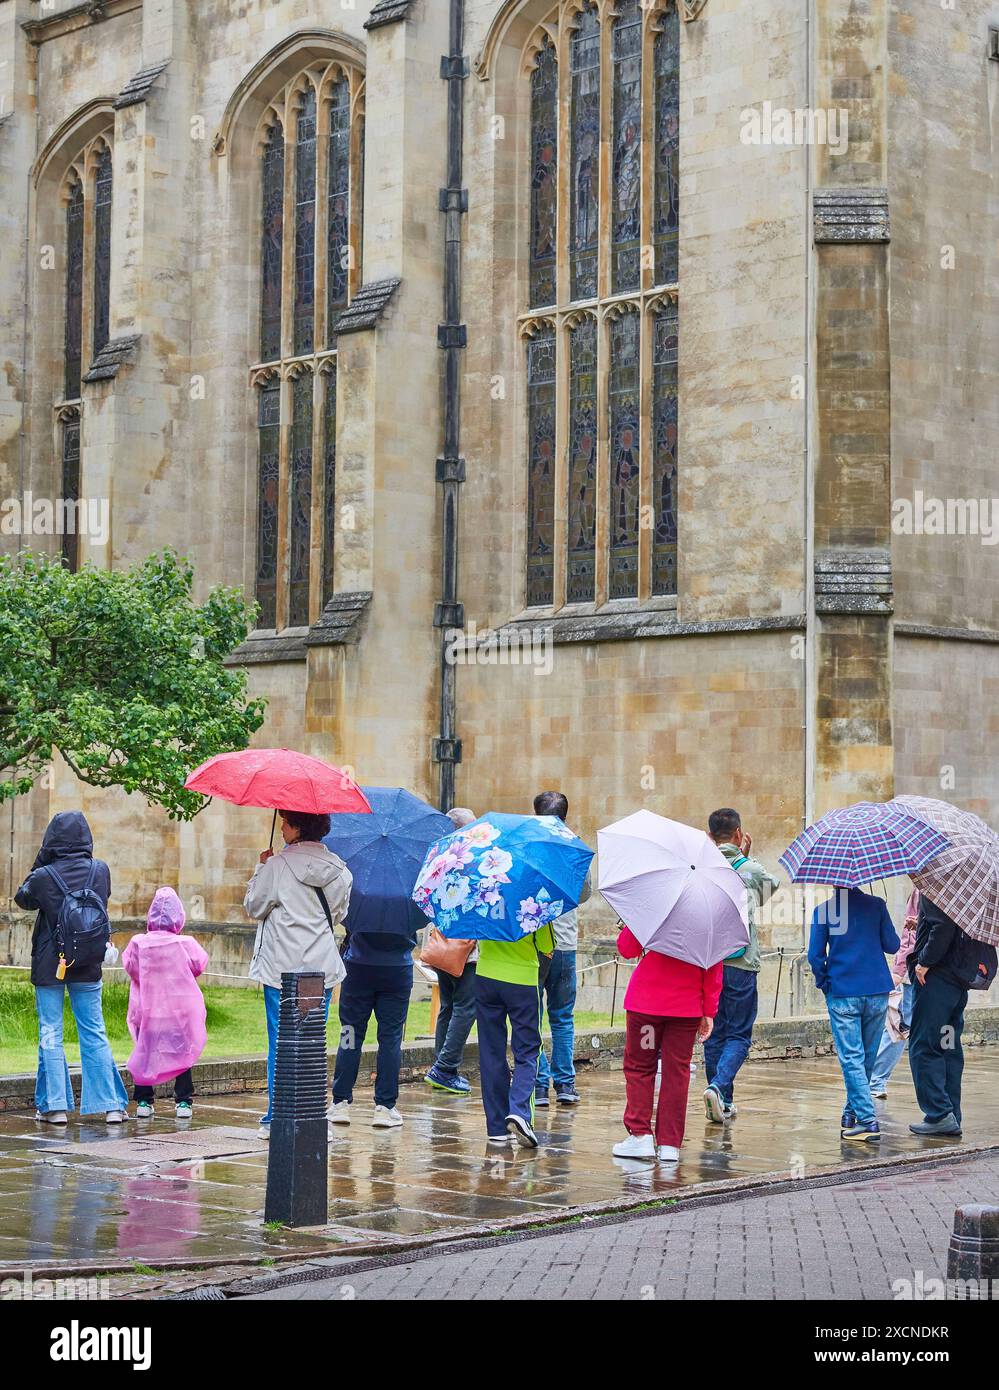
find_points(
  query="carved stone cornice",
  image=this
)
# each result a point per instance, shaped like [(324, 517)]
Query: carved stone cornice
[(53, 26)]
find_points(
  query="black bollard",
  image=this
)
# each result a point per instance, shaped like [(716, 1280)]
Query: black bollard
[(973, 1254), (297, 1190)]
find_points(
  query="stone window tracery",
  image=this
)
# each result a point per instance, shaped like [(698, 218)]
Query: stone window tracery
[(601, 326), (310, 144)]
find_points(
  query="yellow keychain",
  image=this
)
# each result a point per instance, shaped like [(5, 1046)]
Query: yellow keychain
[(61, 968)]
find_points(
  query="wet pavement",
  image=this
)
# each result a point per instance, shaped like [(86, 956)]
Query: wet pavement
[(160, 1190)]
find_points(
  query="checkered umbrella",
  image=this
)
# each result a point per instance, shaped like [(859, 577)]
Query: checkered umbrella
[(963, 881), (861, 843)]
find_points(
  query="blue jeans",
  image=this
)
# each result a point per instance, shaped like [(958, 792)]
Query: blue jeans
[(890, 1051), (456, 1017), (382, 990), (559, 994), (272, 1008), (732, 1036), (857, 1024), (102, 1086)]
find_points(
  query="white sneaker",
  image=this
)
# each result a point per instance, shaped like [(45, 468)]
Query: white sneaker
[(264, 1132), (51, 1117), (636, 1146), (144, 1110), (339, 1113), (115, 1117), (384, 1118), (667, 1154)]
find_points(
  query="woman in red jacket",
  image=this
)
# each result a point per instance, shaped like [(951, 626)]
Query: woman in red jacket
[(670, 1004)]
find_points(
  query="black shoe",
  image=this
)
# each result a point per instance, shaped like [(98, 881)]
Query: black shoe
[(521, 1131), (567, 1094), (948, 1127), (540, 1098)]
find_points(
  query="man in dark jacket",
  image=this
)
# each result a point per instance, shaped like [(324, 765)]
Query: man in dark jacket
[(68, 847), (935, 1053)]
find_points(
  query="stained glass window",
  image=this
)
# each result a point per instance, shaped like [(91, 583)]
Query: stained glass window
[(584, 196), (272, 239), (541, 471), (627, 183), (73, 330), (338, 217), (666, 207), (664, 453), (359, 216), (305, 224), (625, 449), (329, 482), (102, 250), (302, 473), (71, 489), (582, 539), (300, 500), (602, 144), (544, 176), (269, 457)]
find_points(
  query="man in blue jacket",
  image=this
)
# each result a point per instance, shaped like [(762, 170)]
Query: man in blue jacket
[(851, 934)]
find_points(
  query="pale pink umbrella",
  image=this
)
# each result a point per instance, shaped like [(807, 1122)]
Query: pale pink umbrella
[(673, 887)]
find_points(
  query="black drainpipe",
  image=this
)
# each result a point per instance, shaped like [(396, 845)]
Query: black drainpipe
[(452, 336)]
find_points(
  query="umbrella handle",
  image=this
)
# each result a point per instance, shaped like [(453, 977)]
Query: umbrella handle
[(273, 824)]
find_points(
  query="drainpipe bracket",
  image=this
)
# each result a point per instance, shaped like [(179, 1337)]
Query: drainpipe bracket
[(452, 335), (450, 469), (454, 65), (449, 615), (446, 750), (453, 200)]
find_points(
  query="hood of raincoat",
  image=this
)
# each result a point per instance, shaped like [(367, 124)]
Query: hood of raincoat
[(166, 912), (312, 863), (68, 833)]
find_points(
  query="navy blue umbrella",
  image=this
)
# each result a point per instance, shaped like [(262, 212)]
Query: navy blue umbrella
[(384, 852)]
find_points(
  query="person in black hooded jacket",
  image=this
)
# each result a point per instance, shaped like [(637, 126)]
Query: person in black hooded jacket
[(68, 848)]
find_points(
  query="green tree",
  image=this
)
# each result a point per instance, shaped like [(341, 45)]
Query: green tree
[(122, 672)]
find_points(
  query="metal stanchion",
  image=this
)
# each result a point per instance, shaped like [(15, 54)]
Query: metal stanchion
[(973, 1254), (297, 1191)]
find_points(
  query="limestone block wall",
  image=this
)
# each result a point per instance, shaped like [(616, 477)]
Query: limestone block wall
[(946, 722), (943, 131), (680, 726)]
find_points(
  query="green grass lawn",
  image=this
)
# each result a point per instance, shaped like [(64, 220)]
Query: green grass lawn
[(235, 1022)]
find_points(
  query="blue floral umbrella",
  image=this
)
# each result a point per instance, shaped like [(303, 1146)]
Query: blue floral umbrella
[(502, 877), (384, 852)]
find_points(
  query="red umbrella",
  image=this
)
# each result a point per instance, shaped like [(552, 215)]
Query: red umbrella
[(278, 778)]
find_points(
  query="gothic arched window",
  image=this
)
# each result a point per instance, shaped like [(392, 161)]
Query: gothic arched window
[(86, 197), (601, 326), (311, 152)]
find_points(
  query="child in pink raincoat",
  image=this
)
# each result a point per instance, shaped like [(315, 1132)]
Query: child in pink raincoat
[(166, 1009)]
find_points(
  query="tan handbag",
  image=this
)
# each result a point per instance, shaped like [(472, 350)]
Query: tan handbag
[(441, 953)]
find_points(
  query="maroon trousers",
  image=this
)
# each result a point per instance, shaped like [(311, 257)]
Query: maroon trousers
[(648, 1038)]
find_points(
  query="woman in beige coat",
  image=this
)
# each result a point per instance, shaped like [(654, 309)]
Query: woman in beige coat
[(297, 897)]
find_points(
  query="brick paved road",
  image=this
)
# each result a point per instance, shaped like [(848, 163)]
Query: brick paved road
[(845, 1242)]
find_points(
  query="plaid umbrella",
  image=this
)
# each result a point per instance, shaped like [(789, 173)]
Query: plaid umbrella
[(863, 842), (964, 880)]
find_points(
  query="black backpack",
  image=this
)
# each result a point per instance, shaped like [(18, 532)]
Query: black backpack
[(82, 929), (972, 962)]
